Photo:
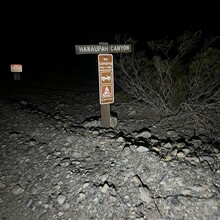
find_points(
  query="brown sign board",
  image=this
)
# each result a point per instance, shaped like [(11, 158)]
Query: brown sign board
[(98, 49), (106, 79)]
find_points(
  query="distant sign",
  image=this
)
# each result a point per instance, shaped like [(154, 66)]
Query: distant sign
[(16, 68), (98, 49), (106, 79)]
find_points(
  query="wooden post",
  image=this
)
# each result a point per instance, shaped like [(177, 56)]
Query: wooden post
[(105, 115), (105, 109)]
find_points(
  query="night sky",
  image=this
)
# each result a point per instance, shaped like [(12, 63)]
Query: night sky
[(42, 34)]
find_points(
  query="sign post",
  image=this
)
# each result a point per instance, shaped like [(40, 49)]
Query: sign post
[(16, 69), (106, 86), (105, 68)]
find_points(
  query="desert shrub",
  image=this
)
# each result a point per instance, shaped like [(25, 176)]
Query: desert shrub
[(159, 81), (203, 93), (178, 76), (204, 72)]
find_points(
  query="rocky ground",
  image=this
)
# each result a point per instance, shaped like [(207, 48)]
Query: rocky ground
[(57, 162)]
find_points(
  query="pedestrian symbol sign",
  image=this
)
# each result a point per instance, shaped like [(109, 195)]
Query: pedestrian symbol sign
[(106, 81)]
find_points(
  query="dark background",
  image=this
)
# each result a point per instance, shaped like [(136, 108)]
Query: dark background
[(41, 35)]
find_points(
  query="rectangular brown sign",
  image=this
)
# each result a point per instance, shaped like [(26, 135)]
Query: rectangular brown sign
[(106, 79)]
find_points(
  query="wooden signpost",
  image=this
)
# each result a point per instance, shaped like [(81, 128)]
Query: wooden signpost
[(106, 77)]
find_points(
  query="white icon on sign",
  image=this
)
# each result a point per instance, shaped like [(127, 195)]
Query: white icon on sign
[(107, 93), (108, 78)]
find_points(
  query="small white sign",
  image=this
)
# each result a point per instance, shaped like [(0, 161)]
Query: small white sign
[(16, 68)]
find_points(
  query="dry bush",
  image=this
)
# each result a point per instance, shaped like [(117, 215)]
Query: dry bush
[(178, 79), (203, 94)]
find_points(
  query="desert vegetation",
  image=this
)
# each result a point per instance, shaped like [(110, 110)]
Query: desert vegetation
[(180, 78)]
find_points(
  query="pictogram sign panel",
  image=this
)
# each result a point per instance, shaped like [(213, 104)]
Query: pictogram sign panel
[(106, 79)]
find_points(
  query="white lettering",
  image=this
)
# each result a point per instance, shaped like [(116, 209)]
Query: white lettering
[(104, 48), (93, 49), (105, 63), (119, 48)]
